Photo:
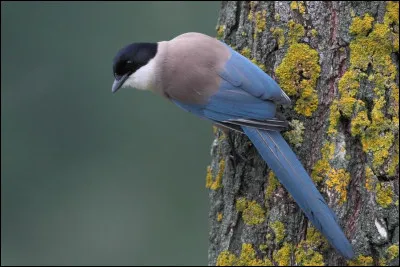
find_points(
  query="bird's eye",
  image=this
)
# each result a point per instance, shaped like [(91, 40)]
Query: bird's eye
[(128, 62)]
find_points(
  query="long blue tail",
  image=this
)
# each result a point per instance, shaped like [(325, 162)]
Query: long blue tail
[(292, 175)]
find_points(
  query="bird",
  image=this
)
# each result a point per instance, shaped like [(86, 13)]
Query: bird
[(206, 77)]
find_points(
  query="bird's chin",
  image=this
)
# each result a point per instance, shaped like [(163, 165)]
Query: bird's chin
[(119, 82)]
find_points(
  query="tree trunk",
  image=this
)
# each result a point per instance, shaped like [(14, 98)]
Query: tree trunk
[(338, 61)]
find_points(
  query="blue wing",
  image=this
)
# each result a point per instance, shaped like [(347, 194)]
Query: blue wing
[(246, 96)]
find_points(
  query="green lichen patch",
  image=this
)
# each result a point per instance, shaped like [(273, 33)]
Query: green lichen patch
[(279, 36), (272, 184), (241, 204), (298, 74), (250, 16), (299, 6), (259, 18), (261, 21), (392, 252), (384, 195), (247, 258), (279, 230), (296, 31), (252, 212), (392, 13), (362, 261), (314, 33), (308, 251), (295, 136), (309, 257), (315, 239), (283, 255)]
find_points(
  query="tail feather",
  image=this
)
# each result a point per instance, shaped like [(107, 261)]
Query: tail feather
[(292, 175)]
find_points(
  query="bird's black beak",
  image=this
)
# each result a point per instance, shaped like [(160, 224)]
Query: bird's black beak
[(119, 81)]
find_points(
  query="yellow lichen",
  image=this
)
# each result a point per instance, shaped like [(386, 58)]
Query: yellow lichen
[(273, 183), (283, 255), (225, 258), (252, 212), (247, 258), (209, 178), (241, 204), (338, 180), (295, 136), (217, 183), (250, 16), (394, 161), (371, 49), (384, 195), (261, 21), (277, 17), (369, 178), (315, 239), (362, 26), (392, 13), (279, 230), (220, 31), (314, 32), (279, 36), (333, 118), (263, 247), (246, 52), (219, 216), (359, 123), (298, 74), (298, 5), (393, 252), (308, 257), (322, 166), (296, 31), (306, 252), (362, 261), (299, 71)]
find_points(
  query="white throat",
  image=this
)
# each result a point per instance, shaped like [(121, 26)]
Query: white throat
[(144, 78)]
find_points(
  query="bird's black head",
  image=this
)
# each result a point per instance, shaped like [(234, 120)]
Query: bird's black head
[(129, 59)]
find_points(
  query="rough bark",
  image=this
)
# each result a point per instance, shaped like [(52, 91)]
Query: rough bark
[(349, 142)]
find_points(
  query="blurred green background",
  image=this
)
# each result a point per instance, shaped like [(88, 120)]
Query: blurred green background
[(88, 177)]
